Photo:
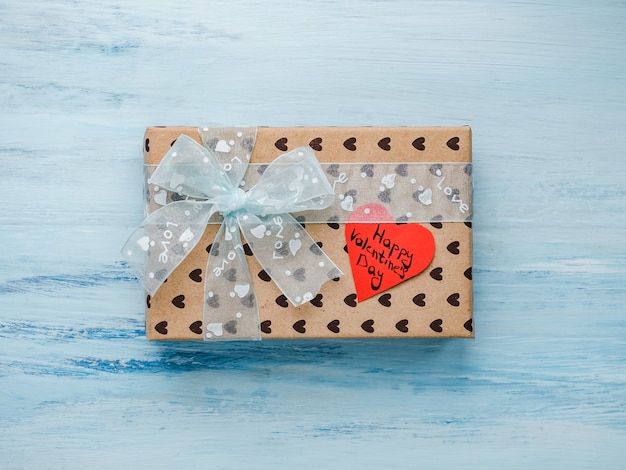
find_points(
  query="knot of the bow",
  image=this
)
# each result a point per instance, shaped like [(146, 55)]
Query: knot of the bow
[(231, 203)]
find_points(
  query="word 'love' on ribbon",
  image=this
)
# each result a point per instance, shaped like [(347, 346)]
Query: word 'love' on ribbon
[(208, 180)]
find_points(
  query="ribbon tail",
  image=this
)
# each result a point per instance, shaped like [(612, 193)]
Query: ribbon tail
[(230, 309), (164, 239), (286, 251)]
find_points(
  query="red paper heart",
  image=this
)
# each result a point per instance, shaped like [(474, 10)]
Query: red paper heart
[(382, 255)]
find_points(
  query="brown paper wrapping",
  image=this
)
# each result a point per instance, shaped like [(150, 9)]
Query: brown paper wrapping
[(435, 303)]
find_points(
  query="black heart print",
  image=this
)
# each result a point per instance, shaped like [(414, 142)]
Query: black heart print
[(384, 143), (179, 301), (453, 299), (350, 144), (281, 144), (435, 325), (454, 248), (316, 144), (282, 301), (420, 300), (350, 300), (196, 327), (161, 327), (333, 326), (196, 275), (300, 326), (385, 300), (436, 274), (453, 143), (402, 326), (266, 326), (418, 144), (317, 301), (368, 326)]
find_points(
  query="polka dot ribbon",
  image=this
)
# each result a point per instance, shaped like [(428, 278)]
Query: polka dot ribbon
[(208, 182)]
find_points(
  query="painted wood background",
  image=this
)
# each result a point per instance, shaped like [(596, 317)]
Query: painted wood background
[(543, 85)]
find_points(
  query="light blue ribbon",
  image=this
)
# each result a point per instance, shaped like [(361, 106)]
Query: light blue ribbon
[(209, 179)]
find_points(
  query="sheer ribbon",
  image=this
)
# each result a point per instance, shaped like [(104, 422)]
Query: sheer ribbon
[(208, 180)]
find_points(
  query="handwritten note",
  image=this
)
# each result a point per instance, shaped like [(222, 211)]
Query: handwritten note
[(382, 255)]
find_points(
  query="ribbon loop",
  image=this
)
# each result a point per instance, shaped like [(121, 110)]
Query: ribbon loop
[(191, 170), (164, 240), (293, 182)]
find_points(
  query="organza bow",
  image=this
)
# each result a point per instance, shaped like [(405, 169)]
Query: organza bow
[(293, 182)]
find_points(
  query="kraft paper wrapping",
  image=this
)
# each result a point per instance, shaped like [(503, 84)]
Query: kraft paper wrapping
[(435, 303)]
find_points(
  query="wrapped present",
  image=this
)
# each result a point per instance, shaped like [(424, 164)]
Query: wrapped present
[(307, 232)]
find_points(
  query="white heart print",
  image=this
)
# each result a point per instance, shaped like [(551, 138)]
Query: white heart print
[(161, 197), (294, 246), (426, 197), (222, 147), (258, 231), (186, 236), (242, 289), (348, 204), (215, 328), (144, 243), (389, 180)]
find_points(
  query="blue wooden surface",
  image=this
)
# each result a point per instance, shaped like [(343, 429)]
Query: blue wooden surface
[(543, 385)]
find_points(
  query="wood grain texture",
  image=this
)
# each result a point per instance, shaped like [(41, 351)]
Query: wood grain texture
[(543, 385)]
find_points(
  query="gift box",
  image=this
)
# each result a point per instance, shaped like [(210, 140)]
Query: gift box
[(383, 243)]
